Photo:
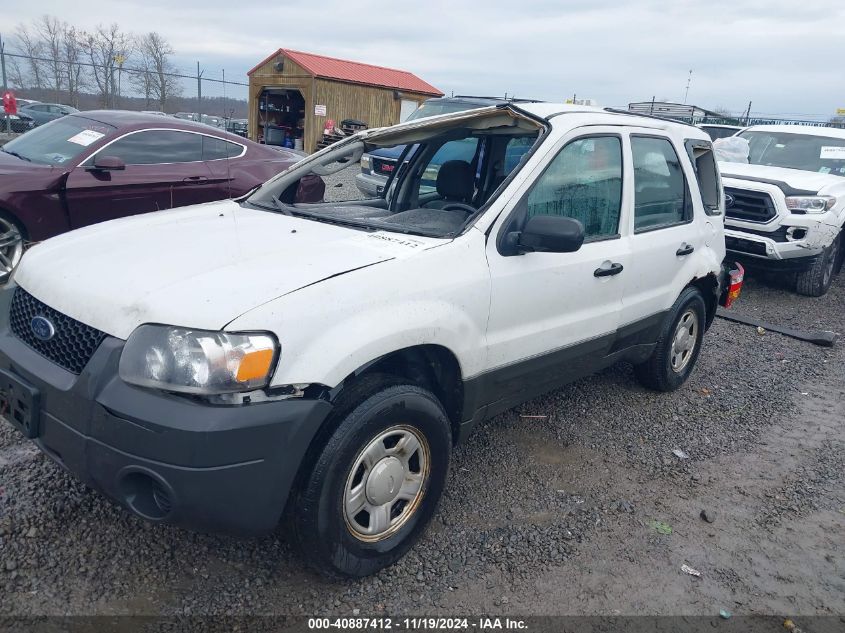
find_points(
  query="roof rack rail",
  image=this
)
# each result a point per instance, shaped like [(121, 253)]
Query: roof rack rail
[(649, 116), (510, 99)]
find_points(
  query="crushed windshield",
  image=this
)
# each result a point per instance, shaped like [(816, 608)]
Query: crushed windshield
[(435, 190), (433, 108), (58, 142), (807, 152)]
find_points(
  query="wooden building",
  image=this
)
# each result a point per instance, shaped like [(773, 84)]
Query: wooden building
[(292, 96)]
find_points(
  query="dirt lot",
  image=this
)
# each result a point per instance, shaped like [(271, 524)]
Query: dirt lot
[(543, 515)]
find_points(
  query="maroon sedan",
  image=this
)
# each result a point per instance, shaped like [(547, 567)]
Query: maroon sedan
[(94, 166)]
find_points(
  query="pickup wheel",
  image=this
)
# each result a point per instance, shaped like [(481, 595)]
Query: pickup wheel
[(816, 280), (376, 483), (678, 346)]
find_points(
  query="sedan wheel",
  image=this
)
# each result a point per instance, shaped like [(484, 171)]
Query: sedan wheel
[(11, 247)]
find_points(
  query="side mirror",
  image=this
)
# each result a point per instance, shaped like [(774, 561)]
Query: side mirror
[(548, 234), (108, 163)]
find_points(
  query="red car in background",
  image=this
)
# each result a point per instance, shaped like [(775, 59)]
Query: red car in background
[(94, 166)]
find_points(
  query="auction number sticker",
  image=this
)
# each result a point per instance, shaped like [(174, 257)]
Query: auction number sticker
[(86, 137), (832, 152)]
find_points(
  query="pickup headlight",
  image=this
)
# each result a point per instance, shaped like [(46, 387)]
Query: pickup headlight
[(198, 361), (365, 162), (810, 204)]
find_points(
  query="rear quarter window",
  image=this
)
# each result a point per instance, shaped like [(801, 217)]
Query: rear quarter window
[(706, 174)]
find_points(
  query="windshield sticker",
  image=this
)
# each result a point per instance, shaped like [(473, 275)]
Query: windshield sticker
[(832, 152), (86, 137), (824, 170)]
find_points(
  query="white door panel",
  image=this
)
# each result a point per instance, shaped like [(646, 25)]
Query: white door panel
[(542, 302)]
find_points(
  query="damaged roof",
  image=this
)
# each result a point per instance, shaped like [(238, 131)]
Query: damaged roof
[(355, 72)]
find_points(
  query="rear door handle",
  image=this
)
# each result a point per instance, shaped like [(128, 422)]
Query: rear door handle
[(195, 179), (613, 269), (685, 249)]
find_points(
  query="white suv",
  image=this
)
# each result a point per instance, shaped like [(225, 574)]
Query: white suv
[(786, 208), (214, 365)]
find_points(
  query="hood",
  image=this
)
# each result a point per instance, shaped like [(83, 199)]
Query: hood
[(14, 166), (809, 182), (199, 266)]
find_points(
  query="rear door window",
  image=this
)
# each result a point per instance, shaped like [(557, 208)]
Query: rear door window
[(661, 195), (214, 148)]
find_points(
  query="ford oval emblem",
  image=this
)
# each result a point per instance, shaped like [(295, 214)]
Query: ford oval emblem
[(42, 328)]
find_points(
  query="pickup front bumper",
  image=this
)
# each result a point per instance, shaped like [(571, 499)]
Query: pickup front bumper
[(164, 457), (775, 251)]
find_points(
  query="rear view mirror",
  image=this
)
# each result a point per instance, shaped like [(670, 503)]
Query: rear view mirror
[(108, 163), (550, 234)]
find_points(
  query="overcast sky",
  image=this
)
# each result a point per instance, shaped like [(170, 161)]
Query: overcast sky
[(784, 55)]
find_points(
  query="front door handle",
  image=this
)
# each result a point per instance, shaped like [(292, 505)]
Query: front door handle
[(195, 179), (613, 269), (685, 249)]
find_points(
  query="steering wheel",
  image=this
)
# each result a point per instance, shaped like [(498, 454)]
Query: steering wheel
[(459, 206)]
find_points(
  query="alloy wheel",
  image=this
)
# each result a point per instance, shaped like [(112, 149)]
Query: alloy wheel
[(684, 341)]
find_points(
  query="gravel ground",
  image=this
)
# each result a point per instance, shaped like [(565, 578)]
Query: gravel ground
[(553, 513)]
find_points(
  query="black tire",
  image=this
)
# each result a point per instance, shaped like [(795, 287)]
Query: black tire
[(816, 280), (657, 372), (321, 529)]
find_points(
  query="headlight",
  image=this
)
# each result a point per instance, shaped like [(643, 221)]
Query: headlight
[(810, 204), (365, 161), (197, 361)]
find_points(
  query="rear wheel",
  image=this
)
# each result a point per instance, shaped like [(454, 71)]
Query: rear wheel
[(816, 280), (11, 245), (375, 484), (678, 346)]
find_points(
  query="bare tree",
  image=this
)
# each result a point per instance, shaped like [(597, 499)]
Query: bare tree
[(29, 44), (17, 78), (157, 80), (107, 48), (77, 80), (51, 33)]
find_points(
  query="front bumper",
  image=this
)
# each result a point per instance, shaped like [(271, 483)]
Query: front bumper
[(776, 253), (164, 457), (370, 184)]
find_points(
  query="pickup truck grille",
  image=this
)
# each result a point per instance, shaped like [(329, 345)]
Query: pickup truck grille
[(73, 343), (750, 206), (383, 166)]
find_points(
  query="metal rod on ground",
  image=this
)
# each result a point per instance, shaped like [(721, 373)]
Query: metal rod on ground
[(824, 338)]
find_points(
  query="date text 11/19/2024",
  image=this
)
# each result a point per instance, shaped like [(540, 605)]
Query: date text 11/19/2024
[(417, 624)]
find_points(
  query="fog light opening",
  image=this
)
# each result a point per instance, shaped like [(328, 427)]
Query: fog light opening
[(795, 233), (146, 496)]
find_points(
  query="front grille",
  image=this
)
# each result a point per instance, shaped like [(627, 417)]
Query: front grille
[(751, 206), (383, 166), (73, 343), (740, 245)]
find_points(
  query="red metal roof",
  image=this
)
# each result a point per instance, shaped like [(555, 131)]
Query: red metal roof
[(355, 72)]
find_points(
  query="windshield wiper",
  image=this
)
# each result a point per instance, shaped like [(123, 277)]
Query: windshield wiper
[(16, 155), (281, 206)]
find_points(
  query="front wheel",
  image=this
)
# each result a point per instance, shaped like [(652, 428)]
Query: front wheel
[(376, 483), (816, 280), (11, 246), (678, 346)]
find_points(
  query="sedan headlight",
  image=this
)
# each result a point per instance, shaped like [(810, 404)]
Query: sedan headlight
[(198, 361), (810, 204)]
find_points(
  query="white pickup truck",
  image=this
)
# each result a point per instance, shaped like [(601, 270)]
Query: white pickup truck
[(785, 206), (215, 366)]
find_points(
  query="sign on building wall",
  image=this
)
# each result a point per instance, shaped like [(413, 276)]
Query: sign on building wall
[(319, 110)]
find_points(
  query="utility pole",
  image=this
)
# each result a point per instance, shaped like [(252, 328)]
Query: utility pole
[(748, 113), (119, 59), (689, 80), (3, 66), (199, 92)]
